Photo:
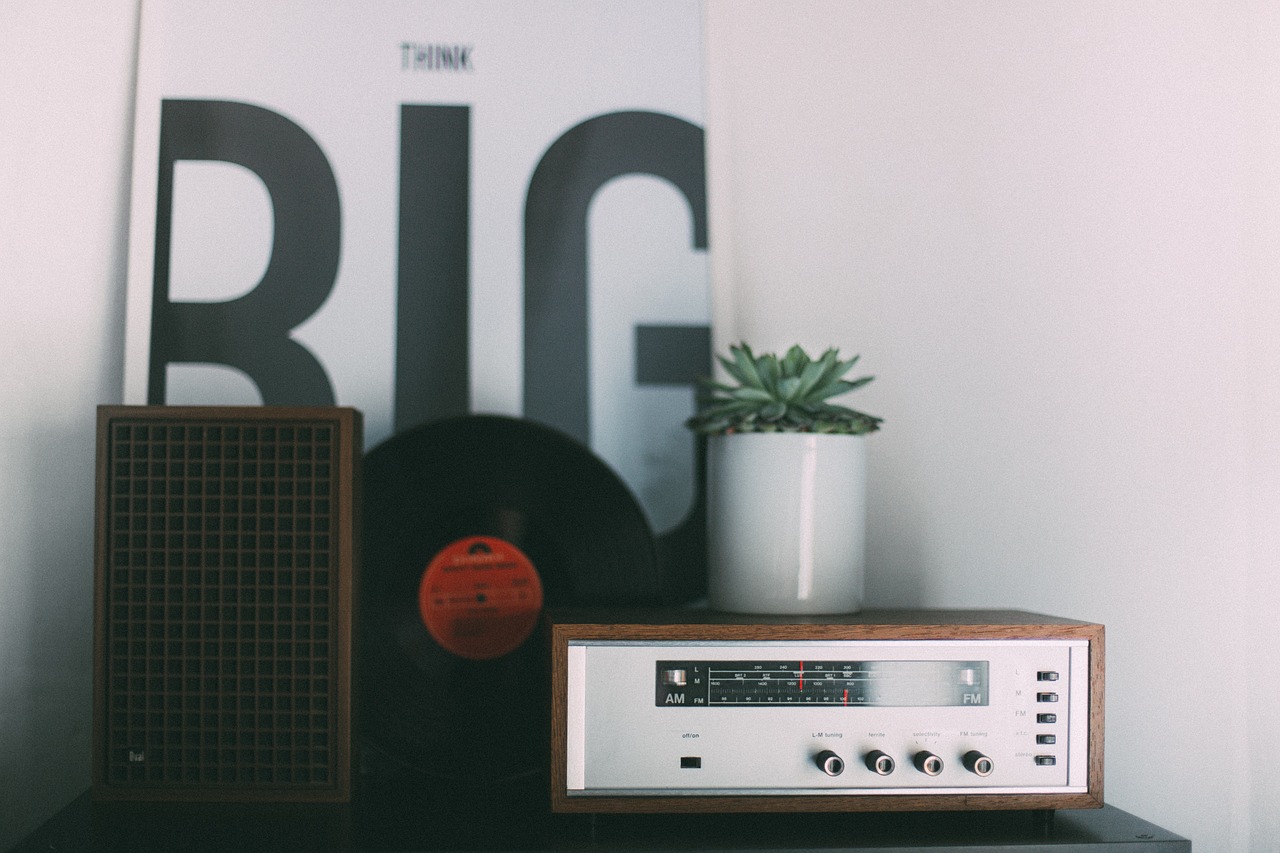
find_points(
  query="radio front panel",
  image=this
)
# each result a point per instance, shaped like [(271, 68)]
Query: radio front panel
[(827, 724)]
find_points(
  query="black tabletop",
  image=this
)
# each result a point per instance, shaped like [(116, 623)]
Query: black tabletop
[(396, 819)]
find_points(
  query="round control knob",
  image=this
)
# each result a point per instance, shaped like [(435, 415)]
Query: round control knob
[(828, 762), (928, 763), (880, 763), (976, 762)]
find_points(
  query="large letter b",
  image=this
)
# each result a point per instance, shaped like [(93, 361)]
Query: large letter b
[(251, 332)]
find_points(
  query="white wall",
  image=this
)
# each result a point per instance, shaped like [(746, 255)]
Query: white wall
[(1049, 227), (1263, 581), (1263, 584), (66, 77)]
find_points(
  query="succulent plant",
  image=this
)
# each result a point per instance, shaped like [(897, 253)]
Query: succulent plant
[(787, 394)]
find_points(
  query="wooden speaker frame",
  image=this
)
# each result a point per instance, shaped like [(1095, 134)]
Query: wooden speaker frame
[(225, 549)]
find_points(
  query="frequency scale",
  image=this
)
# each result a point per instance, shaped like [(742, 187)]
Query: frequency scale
[(892, 710), (840, 683)]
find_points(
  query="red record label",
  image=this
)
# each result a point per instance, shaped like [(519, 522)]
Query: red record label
[(480, 597)]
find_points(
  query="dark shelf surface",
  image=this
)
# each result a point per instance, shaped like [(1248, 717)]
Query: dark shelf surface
[(404, 820)]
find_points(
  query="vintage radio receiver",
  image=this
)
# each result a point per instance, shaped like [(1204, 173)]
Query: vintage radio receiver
[(913, 710)]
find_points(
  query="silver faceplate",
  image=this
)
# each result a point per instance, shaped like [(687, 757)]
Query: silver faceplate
[(622, 741)]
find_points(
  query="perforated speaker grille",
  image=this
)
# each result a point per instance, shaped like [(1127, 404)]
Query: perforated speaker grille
[(224, 591)]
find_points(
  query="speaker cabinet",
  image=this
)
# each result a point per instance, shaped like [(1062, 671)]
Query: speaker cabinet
[(224, 590)]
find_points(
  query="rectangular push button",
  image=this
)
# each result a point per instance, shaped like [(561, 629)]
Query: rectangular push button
[(1046, 739), (1046, 718), (691, 762), (1046, 760), (1046, 675), (1046, 697)]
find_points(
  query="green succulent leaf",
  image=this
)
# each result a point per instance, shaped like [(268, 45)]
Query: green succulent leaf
[(773, 411), (770, 373), (795, 361), (758, 395), (770, 394), (735, 371), (749, 371), (810, 377), (845, 366), (831, 389)]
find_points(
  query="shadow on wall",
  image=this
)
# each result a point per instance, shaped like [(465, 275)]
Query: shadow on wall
[(896, 564), (48, 711)]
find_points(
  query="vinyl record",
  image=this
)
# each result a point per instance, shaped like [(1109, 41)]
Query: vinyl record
[(471, 524)]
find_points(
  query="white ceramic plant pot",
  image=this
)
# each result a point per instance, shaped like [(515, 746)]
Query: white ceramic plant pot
[(786, 522)]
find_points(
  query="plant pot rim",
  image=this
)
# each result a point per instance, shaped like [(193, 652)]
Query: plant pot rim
[(763, 433)]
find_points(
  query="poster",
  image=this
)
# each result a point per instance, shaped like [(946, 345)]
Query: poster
[(423, 209)]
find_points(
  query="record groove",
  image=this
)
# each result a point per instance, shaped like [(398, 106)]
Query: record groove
[(443, 487)]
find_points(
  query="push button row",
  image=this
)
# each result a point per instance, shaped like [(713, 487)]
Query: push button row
[(1046, 740)]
